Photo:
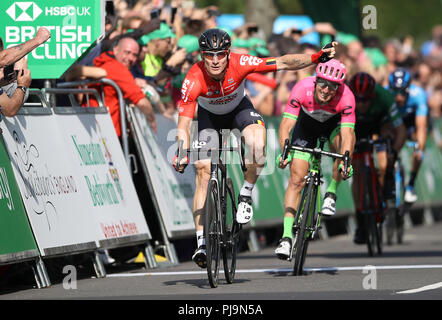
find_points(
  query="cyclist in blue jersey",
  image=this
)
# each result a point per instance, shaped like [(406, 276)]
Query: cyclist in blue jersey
[(411, 101)]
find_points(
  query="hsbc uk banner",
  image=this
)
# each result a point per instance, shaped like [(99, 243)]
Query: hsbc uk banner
[(74, 26)]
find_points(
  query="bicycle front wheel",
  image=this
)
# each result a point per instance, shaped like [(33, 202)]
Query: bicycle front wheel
[(212, 233), (301, 242), (231, 234)]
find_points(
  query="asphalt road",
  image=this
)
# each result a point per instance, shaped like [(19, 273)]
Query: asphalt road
[(336, 270)]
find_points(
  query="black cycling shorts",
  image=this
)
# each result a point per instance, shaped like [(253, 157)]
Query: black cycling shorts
[(209, 124), (307, 130)]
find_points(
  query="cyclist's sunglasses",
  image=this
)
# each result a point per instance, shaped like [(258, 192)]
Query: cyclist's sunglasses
[(210, 55), (333, 86)]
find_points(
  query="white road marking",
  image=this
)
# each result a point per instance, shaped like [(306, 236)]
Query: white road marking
[(277, 270), (425, 288)]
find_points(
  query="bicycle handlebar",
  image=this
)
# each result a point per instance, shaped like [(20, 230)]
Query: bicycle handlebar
[(371, 142), (314, 151), (181, 155), (317, 151)]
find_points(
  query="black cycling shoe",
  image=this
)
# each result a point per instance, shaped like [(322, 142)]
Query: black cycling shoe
[(199, 257)]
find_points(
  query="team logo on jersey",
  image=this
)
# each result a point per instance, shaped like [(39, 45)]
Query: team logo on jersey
[(252, 61), (185, 90), (198, 144), (300, 142)]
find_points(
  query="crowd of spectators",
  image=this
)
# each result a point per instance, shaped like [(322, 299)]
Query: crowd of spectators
[(168, 46)]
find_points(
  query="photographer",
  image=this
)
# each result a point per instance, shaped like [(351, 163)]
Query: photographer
[(14, 88), (15, 78)]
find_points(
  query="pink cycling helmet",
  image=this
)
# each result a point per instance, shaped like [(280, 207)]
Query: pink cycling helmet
[(332, 70)]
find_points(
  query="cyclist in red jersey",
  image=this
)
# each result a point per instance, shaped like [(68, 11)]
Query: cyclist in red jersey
[(216, 85)]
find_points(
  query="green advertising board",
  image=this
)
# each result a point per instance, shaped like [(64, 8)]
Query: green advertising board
[(16, 239), (74, 26)]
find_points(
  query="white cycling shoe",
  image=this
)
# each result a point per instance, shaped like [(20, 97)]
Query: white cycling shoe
[(283, 249), (245, 211), (329, 206), (410, 195)]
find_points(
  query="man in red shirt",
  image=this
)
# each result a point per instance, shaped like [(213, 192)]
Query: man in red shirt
[(216, 85), (117, 64)]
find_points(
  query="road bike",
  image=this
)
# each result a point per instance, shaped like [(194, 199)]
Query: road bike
[(308, 219), (394, 222), (370, 201), (221, 231)]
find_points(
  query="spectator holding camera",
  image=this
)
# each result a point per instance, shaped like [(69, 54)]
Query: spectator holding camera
[(15, 75), (14, 93)]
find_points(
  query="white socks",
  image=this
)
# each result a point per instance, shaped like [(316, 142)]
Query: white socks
[(200, 238)]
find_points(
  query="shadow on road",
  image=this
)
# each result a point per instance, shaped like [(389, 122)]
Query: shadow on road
[(201, 283)]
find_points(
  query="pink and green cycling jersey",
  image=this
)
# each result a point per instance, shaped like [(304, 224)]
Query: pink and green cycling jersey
[(302, 96)]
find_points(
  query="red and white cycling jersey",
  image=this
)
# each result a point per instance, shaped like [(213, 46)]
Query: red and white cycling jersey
[(220, 97)]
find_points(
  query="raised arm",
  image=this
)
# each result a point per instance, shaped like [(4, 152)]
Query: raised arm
[(300, 61), (13, 54)]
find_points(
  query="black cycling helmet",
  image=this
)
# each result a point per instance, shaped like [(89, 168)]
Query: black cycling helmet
[(214, 39), (363, 86)]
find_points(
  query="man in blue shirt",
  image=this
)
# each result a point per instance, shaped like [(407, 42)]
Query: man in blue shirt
[(411, 101)]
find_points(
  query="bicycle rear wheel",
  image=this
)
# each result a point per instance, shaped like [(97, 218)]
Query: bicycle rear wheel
[(371, 206), (231, 234), (212, 233), (374, 238), (301, 242)]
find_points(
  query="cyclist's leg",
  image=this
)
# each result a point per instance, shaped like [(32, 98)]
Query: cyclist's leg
[(304, 134), (251, 125), (385, 160), (255, 142), (416, 161), (359, 236), (298, 170), (329, 205)]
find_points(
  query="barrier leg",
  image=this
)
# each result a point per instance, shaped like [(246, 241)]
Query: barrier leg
[(171, 253), (100, 271), (40, 274), (149, 257)]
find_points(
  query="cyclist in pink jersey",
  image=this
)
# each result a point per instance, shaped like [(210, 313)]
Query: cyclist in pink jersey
[(216, 86), (318, 106)]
